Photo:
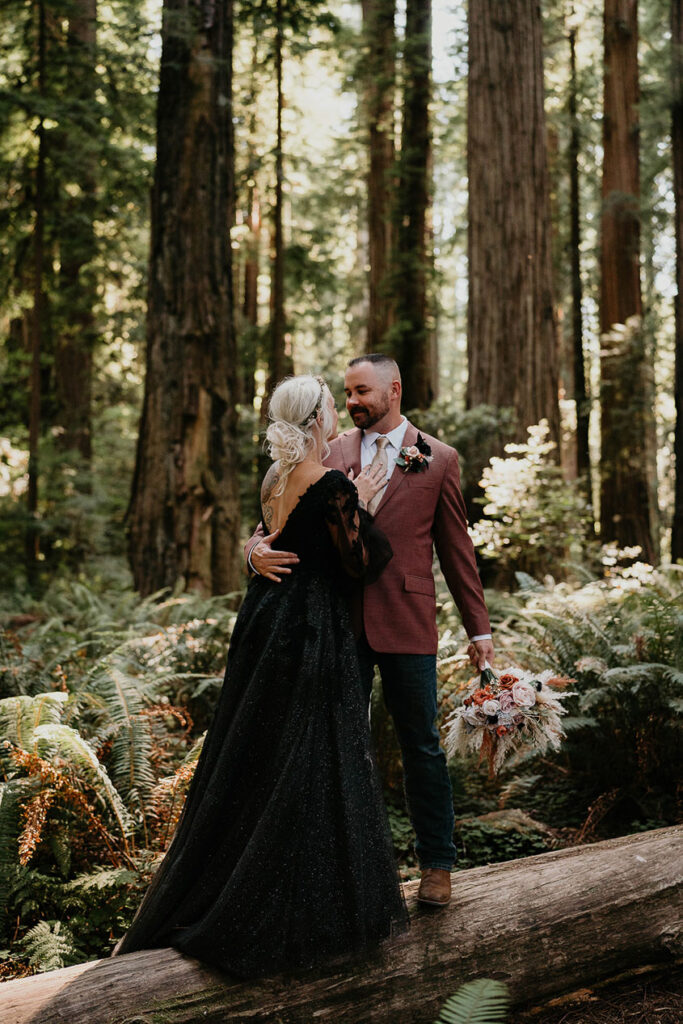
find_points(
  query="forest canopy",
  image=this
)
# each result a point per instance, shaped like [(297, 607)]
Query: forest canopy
[(452, 188)]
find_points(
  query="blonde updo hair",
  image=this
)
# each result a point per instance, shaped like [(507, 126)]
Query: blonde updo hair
[(293, 411)]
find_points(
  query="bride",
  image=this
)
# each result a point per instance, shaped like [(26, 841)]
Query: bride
[(282, 856)]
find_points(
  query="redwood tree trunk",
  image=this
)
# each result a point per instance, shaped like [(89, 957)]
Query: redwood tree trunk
[(512, 344), (77, 284), (248, 350), (252, 250), (627, 511), (581, 396), (184, 513), (411, 341), (32, 542), (677, 149), (280, 362), (379, 74)]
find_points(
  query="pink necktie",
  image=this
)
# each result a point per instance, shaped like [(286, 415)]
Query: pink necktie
[(382, 460)]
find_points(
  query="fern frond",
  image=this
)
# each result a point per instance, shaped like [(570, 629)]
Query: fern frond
[(70, 745), (20, 716), (528, 584), (673, 676), (130, 760), (519, 785), (101, 878), (483, 1001), (50, 945), (10, 794), (125, 698), (573, 723)]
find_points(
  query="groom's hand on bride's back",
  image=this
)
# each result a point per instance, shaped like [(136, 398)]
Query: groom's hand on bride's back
[(271, 563)]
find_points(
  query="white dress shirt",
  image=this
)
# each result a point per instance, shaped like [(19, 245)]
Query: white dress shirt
[(368, 446), (368, 450)]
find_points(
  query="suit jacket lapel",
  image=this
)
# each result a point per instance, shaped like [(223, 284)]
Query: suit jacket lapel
[(410, 437), (350, 445)]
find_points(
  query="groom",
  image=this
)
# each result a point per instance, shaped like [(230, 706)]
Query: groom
[(419, 509)]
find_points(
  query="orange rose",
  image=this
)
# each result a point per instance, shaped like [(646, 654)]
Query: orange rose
[(508, 680)]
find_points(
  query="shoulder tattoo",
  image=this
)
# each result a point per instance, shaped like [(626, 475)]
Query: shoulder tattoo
[(269, 484)]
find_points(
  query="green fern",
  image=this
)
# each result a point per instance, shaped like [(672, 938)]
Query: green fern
[(11, 793), (123, 698), (20, 716), (63, 740), (100, 879), (50, 945), (483, 1001)]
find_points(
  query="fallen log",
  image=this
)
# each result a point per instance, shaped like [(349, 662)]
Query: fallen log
[(544, 925)]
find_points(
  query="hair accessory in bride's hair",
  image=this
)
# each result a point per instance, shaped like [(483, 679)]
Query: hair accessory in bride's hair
[(318, 405)]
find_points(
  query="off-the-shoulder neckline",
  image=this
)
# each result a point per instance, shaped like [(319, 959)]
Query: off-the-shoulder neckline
[(295, 506)]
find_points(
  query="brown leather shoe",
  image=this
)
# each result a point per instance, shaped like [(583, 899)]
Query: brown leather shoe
[(435, 887)]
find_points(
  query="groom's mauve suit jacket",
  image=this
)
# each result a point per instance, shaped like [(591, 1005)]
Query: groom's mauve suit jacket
[(418, 510)]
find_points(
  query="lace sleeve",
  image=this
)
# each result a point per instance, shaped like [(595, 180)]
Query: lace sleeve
[(363, 548)]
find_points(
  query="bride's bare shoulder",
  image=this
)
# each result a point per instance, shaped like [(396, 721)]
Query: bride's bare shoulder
[(271, 479), (270, 482)]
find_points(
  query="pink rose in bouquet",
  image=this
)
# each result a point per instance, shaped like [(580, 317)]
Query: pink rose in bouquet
[(523, 695)]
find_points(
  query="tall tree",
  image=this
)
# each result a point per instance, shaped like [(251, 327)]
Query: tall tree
[(252, 246), (37, 318), (280, 361), (581, 396), (411, 338), (379, 85), (73, 357), (512, 345), (677, 149), (627, 505), (184, 512)]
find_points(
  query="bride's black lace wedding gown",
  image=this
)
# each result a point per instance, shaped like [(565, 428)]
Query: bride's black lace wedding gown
[(282, 856)]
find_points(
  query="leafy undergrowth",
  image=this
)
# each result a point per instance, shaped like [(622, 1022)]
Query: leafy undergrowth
[(104, 700)]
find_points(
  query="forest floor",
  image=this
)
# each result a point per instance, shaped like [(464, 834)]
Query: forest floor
[(653, 999)]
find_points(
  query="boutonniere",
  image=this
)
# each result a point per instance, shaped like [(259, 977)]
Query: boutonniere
[(415, 458)]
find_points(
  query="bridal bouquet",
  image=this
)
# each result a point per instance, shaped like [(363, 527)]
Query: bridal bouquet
[(501, 715)]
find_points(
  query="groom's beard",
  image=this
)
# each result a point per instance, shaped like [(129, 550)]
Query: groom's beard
[(365, 418)]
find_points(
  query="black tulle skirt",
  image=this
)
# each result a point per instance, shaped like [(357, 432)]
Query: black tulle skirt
[(282, 856)]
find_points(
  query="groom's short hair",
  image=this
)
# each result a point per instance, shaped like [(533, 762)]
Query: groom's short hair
[(385, 364)]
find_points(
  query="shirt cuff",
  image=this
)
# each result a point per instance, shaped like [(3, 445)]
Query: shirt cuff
[(482, 636)]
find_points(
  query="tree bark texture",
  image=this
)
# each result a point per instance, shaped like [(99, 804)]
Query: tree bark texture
[(249, 333), (250, 329), (512, 343), (184, 512), (627, 508), (411, 339), (545, 925), (581, 395), (677, 150), (73, 357), (280, 362), (378, 75), (32, 541)]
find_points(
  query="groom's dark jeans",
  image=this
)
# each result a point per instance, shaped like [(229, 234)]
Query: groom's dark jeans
[(409, 686)]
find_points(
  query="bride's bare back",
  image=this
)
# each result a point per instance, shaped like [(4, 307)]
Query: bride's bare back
[(277, 508)]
